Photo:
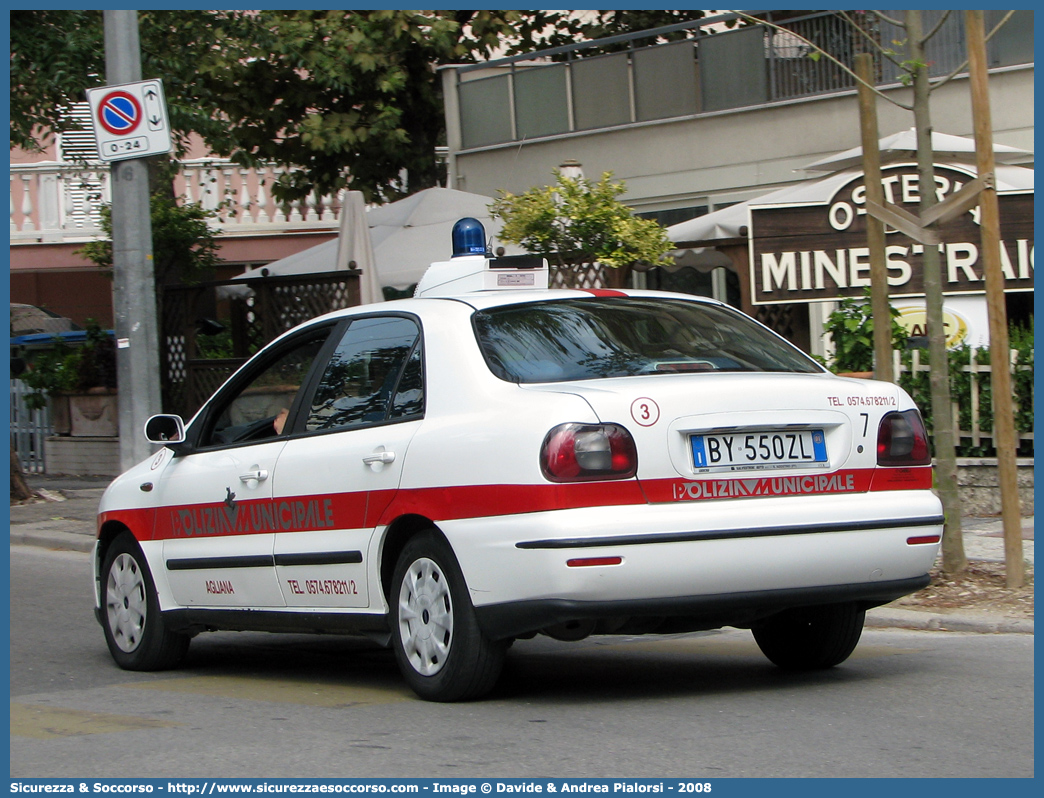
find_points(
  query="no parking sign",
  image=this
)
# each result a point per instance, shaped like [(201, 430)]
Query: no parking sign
[(119, 112), (130, 120)]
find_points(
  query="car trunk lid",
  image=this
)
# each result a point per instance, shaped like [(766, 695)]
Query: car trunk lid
[(726, 435)]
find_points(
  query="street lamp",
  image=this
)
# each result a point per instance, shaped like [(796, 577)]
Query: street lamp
[(571, 169)]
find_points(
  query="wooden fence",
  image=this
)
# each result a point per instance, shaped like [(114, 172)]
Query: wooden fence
[(253, 312)]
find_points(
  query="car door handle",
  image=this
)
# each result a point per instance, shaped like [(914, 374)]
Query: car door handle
[(258, 475), (380, 457)]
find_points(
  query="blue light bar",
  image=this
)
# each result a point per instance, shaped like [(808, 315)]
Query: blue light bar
[(469, 237)]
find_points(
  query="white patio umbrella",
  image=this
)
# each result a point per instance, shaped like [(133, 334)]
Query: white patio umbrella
[(320, 258), (903, 144), (354, 247), (412, 233), (728, 223), (405, 238)]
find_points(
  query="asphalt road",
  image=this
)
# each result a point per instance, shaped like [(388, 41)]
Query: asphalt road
[(709, 705)]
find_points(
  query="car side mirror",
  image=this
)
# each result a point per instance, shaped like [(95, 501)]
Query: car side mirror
[(165, 430)]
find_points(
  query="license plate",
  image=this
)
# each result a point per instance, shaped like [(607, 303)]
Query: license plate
[(742, 451)]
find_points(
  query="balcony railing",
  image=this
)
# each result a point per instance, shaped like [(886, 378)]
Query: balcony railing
[(621, 80), (56, 202)]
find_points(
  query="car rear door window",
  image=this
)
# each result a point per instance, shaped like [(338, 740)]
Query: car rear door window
[(373, 376)]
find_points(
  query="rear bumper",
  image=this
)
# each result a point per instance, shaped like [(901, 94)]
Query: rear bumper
[(730, 534), (716, 563), (684, 613)]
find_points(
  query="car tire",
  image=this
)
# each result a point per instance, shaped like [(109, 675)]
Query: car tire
[(439, 647), (811, 638), (137, 636)]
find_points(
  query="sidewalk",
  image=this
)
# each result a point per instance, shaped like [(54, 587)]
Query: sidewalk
[(68, 523)]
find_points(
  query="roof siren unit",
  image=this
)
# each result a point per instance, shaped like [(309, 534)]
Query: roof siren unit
[(473, 269)]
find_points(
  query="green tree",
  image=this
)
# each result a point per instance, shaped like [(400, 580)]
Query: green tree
[(55, 57), (184, 246), (577, 221), (341, 98)]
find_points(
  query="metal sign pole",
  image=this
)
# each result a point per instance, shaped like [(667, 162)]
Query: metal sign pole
[(134, 288)]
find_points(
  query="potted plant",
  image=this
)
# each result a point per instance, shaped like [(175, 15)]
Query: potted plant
[(80, 384)]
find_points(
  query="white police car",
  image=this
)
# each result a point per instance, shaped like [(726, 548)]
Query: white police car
[(450, 472)]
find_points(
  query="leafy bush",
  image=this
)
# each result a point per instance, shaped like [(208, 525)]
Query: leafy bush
[(851, 327), (960, 357), (852, 330), (64, 369), (579, 221), (97, 366), (51, 372), (215, 346), (1022, 342)]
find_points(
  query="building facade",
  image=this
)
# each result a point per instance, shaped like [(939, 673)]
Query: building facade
[(720, 117), (717, 118), (56, 201)]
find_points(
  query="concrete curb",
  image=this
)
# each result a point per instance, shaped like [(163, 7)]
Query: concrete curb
[(896, 618), (32, 535), (94, 494)]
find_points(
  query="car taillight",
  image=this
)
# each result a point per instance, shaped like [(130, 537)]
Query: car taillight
[(902, 440), (583, 452)]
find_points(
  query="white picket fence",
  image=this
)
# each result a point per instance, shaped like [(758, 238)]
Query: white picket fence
[(979, 374), (29, 428)]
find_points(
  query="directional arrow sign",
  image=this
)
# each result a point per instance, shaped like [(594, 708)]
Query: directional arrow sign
[(155, 112), (130, 120)]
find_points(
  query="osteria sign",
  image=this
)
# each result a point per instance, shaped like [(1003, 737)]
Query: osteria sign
[(817, 251)]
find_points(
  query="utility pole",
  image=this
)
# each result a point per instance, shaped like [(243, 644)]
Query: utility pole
[(875, 235), (134, 286), (1000, 372)]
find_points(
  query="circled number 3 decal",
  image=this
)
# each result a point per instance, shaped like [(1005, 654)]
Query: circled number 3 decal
[(645, 411)]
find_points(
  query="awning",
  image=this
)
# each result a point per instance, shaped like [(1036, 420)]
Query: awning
[(731, 222), (903, 145)]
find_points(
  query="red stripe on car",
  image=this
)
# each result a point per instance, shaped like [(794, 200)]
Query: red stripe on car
[(362, 510)]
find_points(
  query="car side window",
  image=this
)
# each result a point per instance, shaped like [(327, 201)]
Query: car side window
[(373, 376), (260, 408), (409, 397)]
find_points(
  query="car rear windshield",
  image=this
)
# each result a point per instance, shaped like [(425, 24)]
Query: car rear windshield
[(583, 339)]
